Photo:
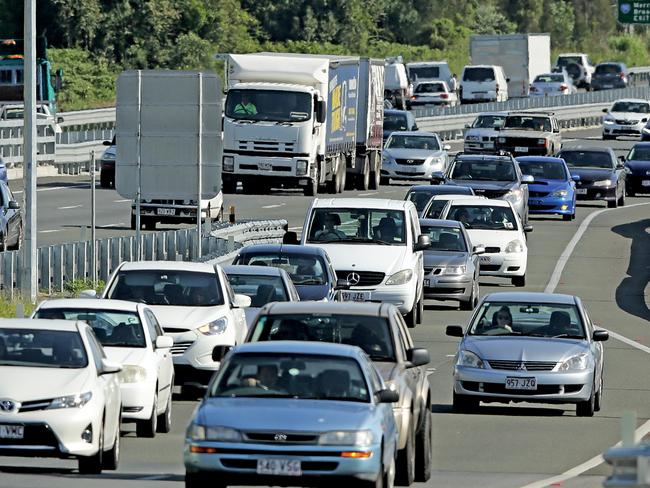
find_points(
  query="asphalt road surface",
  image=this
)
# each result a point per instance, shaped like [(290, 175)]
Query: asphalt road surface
[(503, 446)]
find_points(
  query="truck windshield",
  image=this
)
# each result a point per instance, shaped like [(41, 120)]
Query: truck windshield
[(271, 105)]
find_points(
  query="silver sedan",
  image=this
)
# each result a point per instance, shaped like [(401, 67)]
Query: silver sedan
[(413, 155), (529, 347)]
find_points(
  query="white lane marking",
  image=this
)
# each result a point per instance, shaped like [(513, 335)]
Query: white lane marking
[(48, 231), (295, 228), (550, 288), (367, 194), (125, 200), (154, 477), (69, 207), (110, 225), (55, 188), (275, 206)]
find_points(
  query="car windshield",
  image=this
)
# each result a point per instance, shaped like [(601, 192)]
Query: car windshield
[(478, 74), (587, 159), (420, 198), (445, 238), (304, 269), (608, 69), (423, 72), (271, 105), (430, 88), (372, 334), (426, 143), (543, 170), (168, 287), (484, 170), (262, 289), (640, 153), (113, 328), (527, 122), (42, 348), (631, 107), (434, 209), (299, 376), (528, 319), (395, 122), (549, 78), (483, 217), (488, 121), (565, 61), (357, 226)]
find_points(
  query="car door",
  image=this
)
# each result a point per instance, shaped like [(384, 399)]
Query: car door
[(162, 358), (414, 225), (11, 216), (110, 385), (238, 314)]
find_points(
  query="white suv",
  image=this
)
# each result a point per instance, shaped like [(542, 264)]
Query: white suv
[(195, 306), (375, 245)]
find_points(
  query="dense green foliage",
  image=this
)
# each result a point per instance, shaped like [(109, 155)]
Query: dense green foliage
[(96, 39)]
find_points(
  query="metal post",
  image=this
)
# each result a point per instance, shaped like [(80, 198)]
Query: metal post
[(198, 167), (138, 233), (30, 162), (93, 239)]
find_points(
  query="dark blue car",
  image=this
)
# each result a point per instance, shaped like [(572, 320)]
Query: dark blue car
[(553, 191), (637, 164), (310, 267)]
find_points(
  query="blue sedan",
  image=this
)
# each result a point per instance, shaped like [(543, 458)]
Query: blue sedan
[(293, 413), (553, 191), (637, 165)]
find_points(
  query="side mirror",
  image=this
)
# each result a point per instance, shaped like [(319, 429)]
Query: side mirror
[(605, 110), (106, 143), (418, 356), (415, 127), (424, 242), (321, 111), (290, 237), (644, 119), (575, 177), (219, 352), (497, 128), (447, 147), (164, 342), (528, 228), (600, 335), (480, 249), (342, 284), (621, 159), (556, 130), (387, 396), (437, 177), (109, 367), (241, 301), (14, 205), (467, 126), (87, 294), (454, 331), (507, 80), (60, 120), (527, 179)]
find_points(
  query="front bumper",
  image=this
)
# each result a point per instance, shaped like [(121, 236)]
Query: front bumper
[(137, 400), (273, 169), (551, 205), (531, 150), (638, 184), (552, 387), (402, 296), (192, 354), (596, 193), (391, 169), (615, 129), (448, 287), (237, 462), (479, 146), (504, 264)]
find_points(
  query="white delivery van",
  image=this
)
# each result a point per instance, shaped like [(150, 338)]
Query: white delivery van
[(483, 83)]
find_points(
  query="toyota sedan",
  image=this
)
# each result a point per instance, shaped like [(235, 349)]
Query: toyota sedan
[(529, 347)]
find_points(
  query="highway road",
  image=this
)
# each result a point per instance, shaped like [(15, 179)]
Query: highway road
[(501, 446)]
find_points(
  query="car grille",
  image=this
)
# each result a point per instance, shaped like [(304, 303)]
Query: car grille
[(538, 194), (404, 173), (516, 365), (429, 269), (521, 141), (492, 250), (34, 405), (444, 291), (541, 207), (409, 162), (626, 122), (488, 138), (179, 348), (490, 193), (272, 437), (366, 278), (252, 451), (34, 435), (175, 330), (490, 267), (500, 389), (304, 465)]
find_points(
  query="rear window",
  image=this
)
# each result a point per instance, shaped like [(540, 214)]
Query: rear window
[(425, 72), (565, 61), (430, 88), (549, 79), (395, 122), (608, 69), (478, 74)]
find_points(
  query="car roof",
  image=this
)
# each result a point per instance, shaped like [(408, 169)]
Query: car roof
[(484, 157), (44, 324), (374, 203), (641, 144), (530, 297), (540, 159), (445, 188), (168, 265), (581, 148), (283, 249), (315, 348), (452, 196), (502, 112), (90, 303), (635, 100), (537, 114), (440, 223), (309, 307), (485, 202), (244, 269), (419, 133)]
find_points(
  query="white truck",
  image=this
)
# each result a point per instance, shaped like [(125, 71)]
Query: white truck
[(522, 56), (302, 121)]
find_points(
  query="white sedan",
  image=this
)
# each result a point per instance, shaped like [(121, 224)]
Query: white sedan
[(433, 93), (131, 335), (59, 395), (552, 85)]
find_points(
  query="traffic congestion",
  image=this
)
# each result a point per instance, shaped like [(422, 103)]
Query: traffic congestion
[(402, 321)]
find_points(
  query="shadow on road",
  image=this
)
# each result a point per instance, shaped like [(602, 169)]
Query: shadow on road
[(106, 475), (630, 292), (504, 410)]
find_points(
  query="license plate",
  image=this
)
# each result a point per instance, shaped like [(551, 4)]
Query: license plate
[(513, 383), (279, 467), (521, 149), (488, 145), (485, 259), (608, 86), (355, 296), (266, 166), (581, 191), (166, 211), (427, 282), (12, 431), (645, 183)]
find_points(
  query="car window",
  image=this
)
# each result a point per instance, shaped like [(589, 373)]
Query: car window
[(262, 289), (488, 121), (587, 159), (544, 170), (484, 217), (304, 269), (357, 225), (445, 238), (527, 122), (640, 153), (633, 107), (151, 324), (42, 348), (484, 170)]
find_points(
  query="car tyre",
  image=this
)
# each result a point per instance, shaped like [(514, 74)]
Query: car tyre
[(165, 419), (612, 203), (93, 464), (567, 217), (464, 403), (202, 480), (112, 457), (19, 239), (631, 192), (384, 180), (519, 281), (621, 201), (420, 316), (423, 448), (598, 401), (588, 407), (411, 318), (405, 474), (148, 427), (607, 137)]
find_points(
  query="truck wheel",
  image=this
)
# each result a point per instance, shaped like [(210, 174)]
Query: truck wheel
[(104, 180), (311, 190), (375, 177), (344, 180), (363, 179)]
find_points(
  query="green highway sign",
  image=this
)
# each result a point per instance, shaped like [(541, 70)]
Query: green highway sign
[(634, 11)]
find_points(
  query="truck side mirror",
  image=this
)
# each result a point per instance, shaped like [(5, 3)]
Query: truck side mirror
[(321, 110)]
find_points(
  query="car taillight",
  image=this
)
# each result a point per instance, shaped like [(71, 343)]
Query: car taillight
[(444, 96), (414, 97), (621, 76), (564, 87)]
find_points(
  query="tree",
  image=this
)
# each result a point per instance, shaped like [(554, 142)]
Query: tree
[(559, 21)]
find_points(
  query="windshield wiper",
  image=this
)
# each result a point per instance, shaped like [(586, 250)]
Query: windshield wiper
[(312, 281), (568, 336), (381, 357), (284, 122)]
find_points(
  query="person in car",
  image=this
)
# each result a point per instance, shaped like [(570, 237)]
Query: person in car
[(267, 377), (502, 319), (330, 231)]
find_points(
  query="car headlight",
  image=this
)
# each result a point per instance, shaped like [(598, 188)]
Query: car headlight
[(108, 156), (387, 158), (575, 363), (228, 164), (608, 120), (400, 278), (560, 193), (71, 401), (514, 195), (469, 359), (454, 270), (436, 161), (472, 138), (603, 183), (301, 167), (541, 142), (215, 327), (198, 432), (515, 246), (361, 438), (132, 374)]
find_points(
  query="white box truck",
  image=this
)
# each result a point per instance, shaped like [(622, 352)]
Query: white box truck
[(302, 121), (522, 56)]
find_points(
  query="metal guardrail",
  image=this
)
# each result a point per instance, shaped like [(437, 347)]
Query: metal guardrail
[(630, 466), (62, 263), (11, 141)]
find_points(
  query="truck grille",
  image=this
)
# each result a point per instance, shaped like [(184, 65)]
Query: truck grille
[(366, 278), (265, 146), (517, 365), (180, 347)]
